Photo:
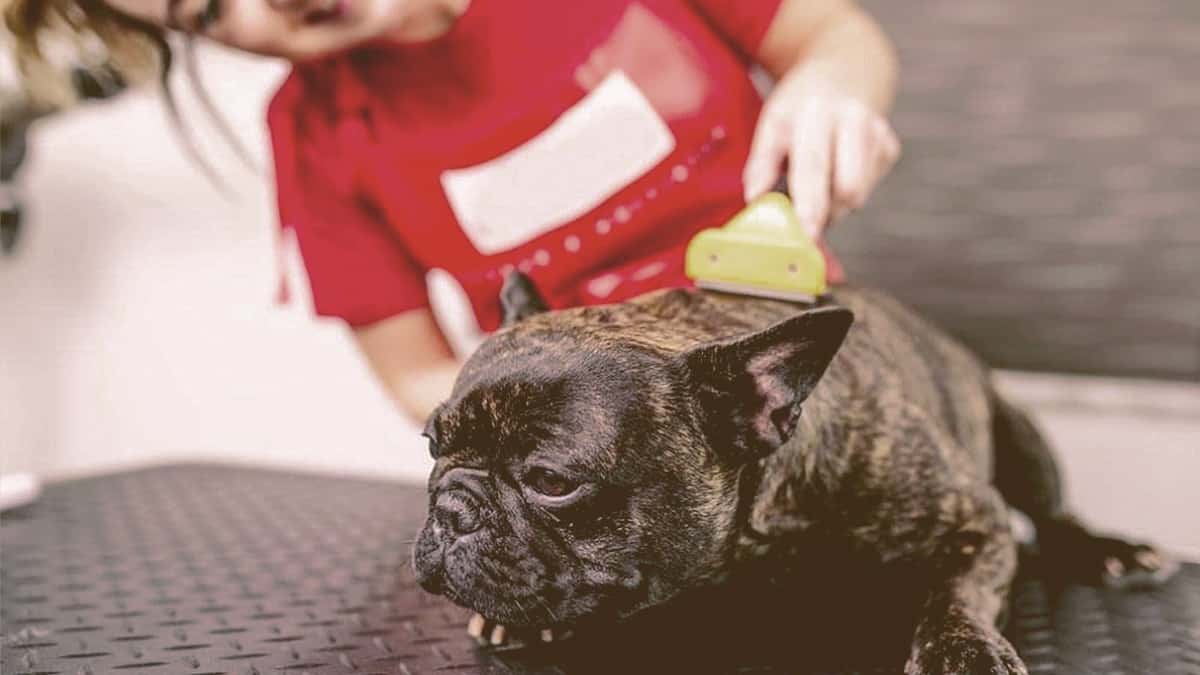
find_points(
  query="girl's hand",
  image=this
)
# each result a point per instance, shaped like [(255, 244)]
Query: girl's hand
[(836, 146)]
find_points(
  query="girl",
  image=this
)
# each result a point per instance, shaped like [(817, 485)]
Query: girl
[(581, 142)]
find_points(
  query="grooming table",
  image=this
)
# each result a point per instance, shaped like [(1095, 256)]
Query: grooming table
[(202, 570)]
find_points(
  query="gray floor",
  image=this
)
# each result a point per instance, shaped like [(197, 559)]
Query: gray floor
[(1047, 207)]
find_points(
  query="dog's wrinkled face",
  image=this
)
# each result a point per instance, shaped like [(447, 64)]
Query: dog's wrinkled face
[(564, 486), (577, 475)]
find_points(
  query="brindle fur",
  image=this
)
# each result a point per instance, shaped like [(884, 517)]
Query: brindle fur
[(903, 454)]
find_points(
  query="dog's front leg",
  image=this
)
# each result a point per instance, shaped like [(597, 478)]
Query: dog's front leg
[(957, 633)]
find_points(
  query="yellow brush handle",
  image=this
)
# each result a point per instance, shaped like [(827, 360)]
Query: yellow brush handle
[(763, 247)]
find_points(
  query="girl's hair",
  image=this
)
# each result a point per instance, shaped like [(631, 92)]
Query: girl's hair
[(52, 35), (138, 51)]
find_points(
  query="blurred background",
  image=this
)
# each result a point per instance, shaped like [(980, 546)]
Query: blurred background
[(1046, 210)]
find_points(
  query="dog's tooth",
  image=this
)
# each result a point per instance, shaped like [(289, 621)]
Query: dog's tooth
[(1149, 560), (475, 626), (547, 635), (498, 635)]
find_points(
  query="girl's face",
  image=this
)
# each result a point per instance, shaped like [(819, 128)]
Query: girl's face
[(297, 30)]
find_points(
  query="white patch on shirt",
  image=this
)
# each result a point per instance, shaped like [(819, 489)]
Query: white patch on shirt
[(610, 138)]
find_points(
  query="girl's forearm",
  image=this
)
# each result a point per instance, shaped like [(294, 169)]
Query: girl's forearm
[(418, 393), (412, 360), (849, 52)]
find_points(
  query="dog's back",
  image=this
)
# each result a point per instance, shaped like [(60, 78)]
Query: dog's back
[(894, 358)]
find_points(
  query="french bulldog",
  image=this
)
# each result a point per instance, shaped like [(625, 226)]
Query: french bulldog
[(598, 461)]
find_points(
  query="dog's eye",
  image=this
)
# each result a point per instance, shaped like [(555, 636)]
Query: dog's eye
[(549, 483)]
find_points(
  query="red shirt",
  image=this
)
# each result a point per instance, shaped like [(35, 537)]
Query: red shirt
[(581, 142)]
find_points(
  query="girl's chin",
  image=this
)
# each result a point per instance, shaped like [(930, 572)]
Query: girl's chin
[(333, 35)]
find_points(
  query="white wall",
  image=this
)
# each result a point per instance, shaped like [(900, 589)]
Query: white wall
[(137, 322), (1128, 451), (137, 325)]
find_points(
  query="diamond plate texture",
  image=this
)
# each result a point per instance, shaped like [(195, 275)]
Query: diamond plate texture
[(1047, 206), (202, 570)]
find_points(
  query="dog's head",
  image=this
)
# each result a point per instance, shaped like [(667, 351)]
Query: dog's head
[(587, 460)]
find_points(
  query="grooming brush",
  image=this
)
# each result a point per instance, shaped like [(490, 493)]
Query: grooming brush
[(763, 251)]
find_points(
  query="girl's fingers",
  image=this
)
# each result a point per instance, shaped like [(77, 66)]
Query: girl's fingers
[(891, 144), (886, 151), (836, 211), (836, 152), (810, 165), (866, 149), (854, 150), (767, 151)]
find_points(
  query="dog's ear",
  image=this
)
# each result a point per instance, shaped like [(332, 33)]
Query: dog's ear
[(519, 298), (749, 389)]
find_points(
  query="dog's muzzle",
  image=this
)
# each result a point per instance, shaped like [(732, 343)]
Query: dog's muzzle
[(453, 516), (455, 513)]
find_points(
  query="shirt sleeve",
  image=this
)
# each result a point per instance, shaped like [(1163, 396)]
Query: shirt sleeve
[(743, 23), (358, 268)]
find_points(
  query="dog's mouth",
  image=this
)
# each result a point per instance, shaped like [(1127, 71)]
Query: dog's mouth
[(547, 607), (479, 591), (516, 610), (525, 591)]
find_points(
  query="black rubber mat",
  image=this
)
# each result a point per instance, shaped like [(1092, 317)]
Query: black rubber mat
[(205, 570)]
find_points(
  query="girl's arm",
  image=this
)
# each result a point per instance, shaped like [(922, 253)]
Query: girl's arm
[(836, 72), (411, 357), (835, 40)]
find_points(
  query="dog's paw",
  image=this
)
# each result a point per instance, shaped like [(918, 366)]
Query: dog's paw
[(965, 654), (1115, 563), (1128, 565), (489, 633)]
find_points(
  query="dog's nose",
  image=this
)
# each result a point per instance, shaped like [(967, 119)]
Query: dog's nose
[(457, 513)]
